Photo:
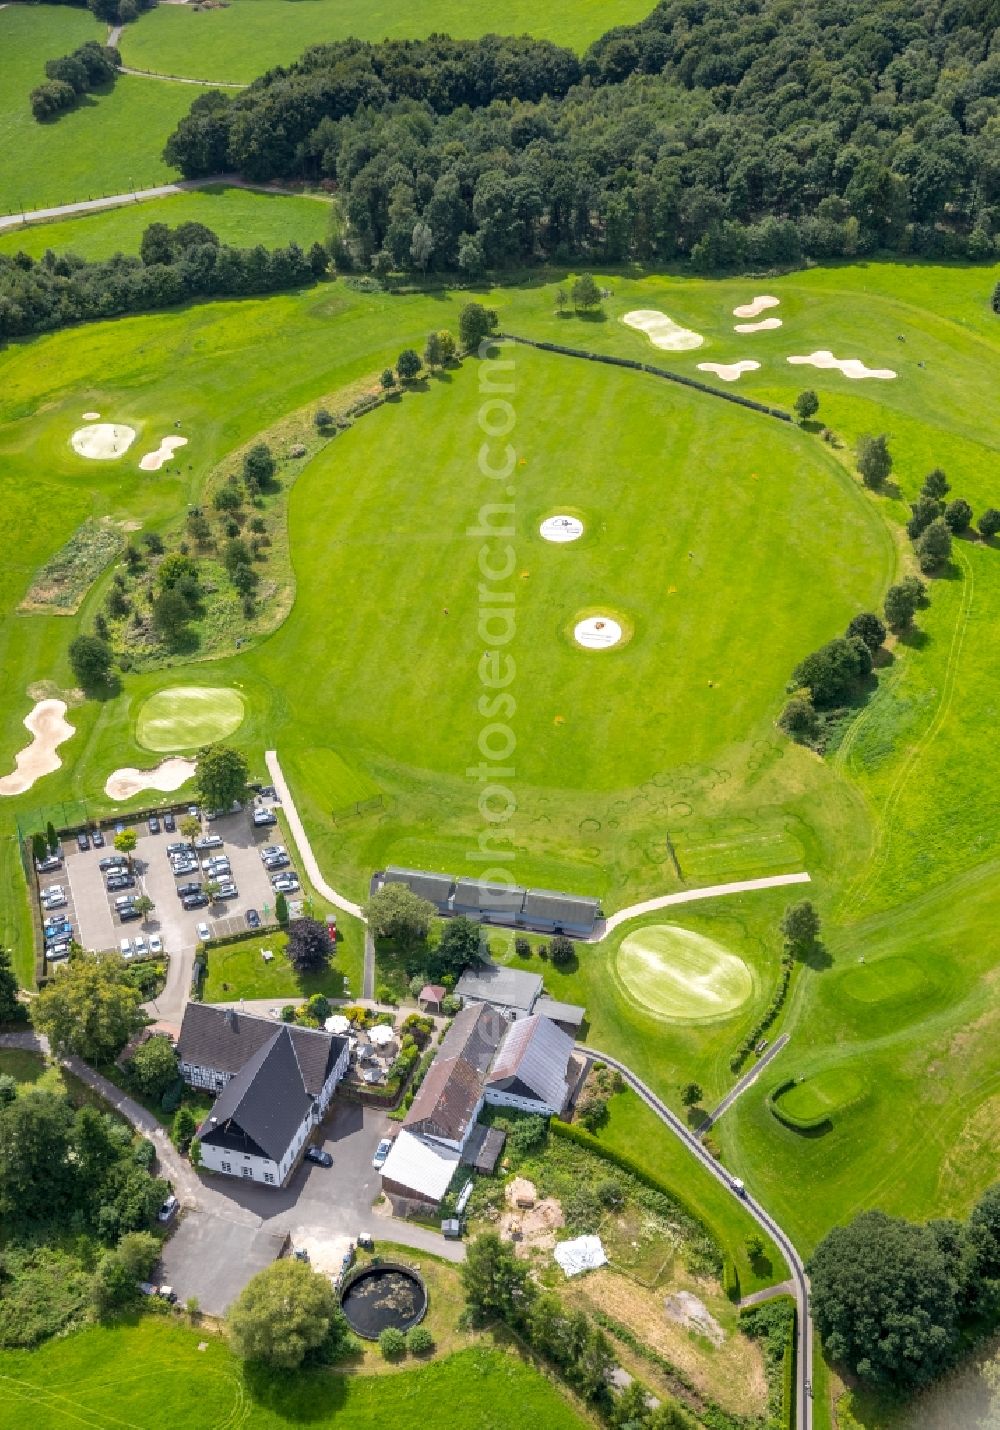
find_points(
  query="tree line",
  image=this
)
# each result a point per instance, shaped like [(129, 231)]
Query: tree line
[(752, 138), (175, 266), (87, 68)]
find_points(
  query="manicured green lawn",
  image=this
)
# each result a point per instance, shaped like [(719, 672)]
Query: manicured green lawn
[(237, 970), (152, 1374), (240, 41), (108, 143), (182, 717), (238, 216)]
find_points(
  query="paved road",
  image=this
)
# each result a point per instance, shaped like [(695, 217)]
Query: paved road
[(800, 1284), (309, 860), (688, 896), (745, 1081), (160, 191), (769, 1293)]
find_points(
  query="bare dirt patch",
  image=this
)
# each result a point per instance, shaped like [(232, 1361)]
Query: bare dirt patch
[(529, 1223), (48, 727), (684, 1309)]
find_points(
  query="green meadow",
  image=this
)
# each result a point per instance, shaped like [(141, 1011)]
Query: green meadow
[(238, 216), (235, 43), (110, 143)]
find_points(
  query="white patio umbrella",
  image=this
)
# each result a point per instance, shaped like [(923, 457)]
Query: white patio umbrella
[(381, 1034), (337, 1023)]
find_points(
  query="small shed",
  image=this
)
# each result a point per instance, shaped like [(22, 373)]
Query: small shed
[(482, 1151), (431, 997)]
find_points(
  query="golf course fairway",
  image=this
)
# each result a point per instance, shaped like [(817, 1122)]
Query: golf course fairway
[(677, 974)]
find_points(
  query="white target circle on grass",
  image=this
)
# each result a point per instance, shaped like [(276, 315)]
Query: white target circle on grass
[(561, 528), (597, 633)]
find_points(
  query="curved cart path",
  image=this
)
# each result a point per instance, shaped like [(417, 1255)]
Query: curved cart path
[(799, 1284), (688, 896), (309, 860)]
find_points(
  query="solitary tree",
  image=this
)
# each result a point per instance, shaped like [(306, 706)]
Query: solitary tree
[(190, 827), (806, 404), (222, 775), (145, 906), (497, 1285), (125, 843), (561, 951), (281, 909), (869, 628), (183, 1129), (989, 522), (474, 324), (90, 658), (934, 547), (309, 946), (691, 1094), (754, 1244), (153, 1067), (874, 461), (936, 485), (458, 947), (800, 926), (408, 365), (388, 379), (395, 912), (282, 1313), (586, 293)]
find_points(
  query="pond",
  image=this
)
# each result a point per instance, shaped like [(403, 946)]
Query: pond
[(382, 1296)]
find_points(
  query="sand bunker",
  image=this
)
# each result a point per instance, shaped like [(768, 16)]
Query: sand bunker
[(48, 726), (91, 416), (850, 367), (561, 528), (153, 461), (168, 775), (662, 331), (597, 633), (729, 371), (102, 442), (766, 325), (756, 307)]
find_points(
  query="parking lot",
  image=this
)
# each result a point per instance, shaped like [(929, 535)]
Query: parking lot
[(96, 921)]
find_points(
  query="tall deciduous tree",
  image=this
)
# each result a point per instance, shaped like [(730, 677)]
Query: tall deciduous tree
[(221, 776), (874, 461), (91, 1010), (474, 324), (800, 925), (90, 658), (395, 912), (309, 946), (10, 1008), (806, 404), (497, 1285), (284, 1312)]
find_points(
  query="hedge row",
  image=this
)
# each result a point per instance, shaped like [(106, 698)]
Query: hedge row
[(582, 1138), (663, 372), (242, 936), (766, 1019)]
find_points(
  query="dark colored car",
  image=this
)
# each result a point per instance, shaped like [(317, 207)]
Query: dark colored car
[(82, 840), (154, 824), (184, 890), (253, 919), (317, 1155), (112, 861), (120, 881), (55, 933), (128, 912), (168, 821), (97, 837), (194, 901), (48, 864)]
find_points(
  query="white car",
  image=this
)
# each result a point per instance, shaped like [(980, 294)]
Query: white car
[(56, 952), (268, 849), (381, 1153), (227, 890), (155, 943), (140, 946), (204, 932), (126, 948), (209, 841)]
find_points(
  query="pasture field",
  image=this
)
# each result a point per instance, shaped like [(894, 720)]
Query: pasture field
[(241, 217), (242, 40), (144, 1372), (109, 143)]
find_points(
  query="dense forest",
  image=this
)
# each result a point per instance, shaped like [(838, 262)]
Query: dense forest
[(734, 133)]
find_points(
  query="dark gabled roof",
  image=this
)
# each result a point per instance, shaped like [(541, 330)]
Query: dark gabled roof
[(561, 908), (474, 1036), (226, 1039), (488, 898), (262, 1107), (533, 1061), (449, 1095), (570, 1013), (436, 887)]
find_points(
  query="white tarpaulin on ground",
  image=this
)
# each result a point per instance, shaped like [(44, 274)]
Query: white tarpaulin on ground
[(584, 1254), (381, 1034)]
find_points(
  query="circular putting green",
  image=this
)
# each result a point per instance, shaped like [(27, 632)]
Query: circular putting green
[(815, 1100), (682, 976), (885, 980), (183, 716)]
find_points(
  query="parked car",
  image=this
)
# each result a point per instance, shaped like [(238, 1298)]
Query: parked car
[(217, 865), (57, 951), (125, 901), (82, 840), (155, 943), (128, 914), (317, 1155), (184, 891), (56, 931), (203, 931), (169, 823), (50, 862), (195, 901), (97, 838), (125, 948), (262, 818), (184, 866), (112, 861), (381, 1153), (209, 841), (267, 850), (55, 901), (153, 824), (168, 1209), (139, 944), (276, 861), (253, 919), (227, 890), (54, 891), (179, 847), (120, 881), (285, 883), (164, 1293)]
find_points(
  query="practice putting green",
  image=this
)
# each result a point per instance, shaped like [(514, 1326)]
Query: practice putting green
[(183, 716), (816, 1099), (885, 980), (682, 976)]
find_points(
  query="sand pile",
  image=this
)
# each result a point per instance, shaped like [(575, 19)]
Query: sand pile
[(729, 371), (530, 1227), (167, 776), (49, 728), (756, 306), (102, 441), (662, 331), (851, 367), (153, 461)]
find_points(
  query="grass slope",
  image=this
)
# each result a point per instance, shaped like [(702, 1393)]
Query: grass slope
[(238, 216), (240, 41), (111, 141), (152, 1374)]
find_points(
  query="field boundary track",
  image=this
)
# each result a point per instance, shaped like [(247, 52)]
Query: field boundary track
[(663, 372), (26, 217)]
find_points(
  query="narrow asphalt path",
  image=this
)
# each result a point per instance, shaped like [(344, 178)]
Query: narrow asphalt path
[(769, 1293), (688, 896), (309, 860), (181, 79), (747, 1080), (135, 196), (800, 1284)]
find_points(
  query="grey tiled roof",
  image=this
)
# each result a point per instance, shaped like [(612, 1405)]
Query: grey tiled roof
[(561, 908), (436, 887), (504, 987), (488, 898), (533, 1060), (226, 1039)]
